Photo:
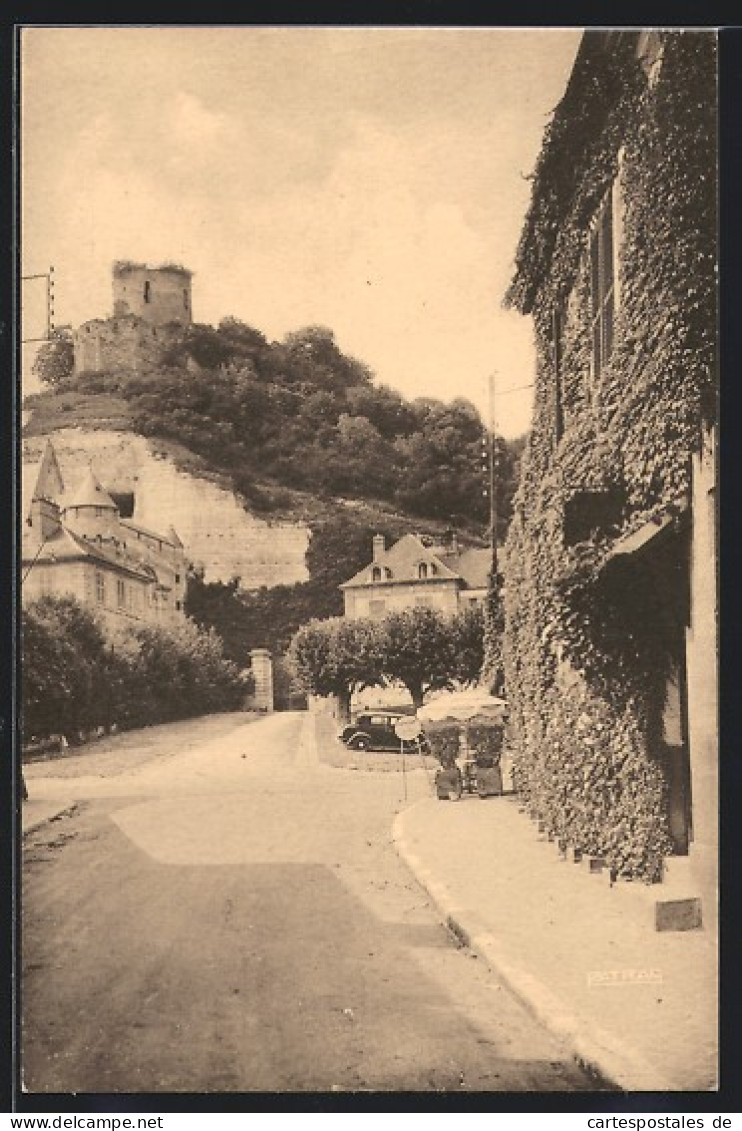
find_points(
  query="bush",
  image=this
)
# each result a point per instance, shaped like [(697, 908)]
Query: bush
[(444, 742), (485, 742), (64, 668), (75, 679)]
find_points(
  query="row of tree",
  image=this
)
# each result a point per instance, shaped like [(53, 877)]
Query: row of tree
[(307, 416), (75, 679), (420, 648)]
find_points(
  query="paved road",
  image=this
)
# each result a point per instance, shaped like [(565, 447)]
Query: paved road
[(235, 918)]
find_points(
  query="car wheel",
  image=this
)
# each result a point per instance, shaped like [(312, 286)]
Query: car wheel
[(359, 743)]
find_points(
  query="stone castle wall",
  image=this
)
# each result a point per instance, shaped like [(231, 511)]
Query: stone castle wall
[(124, 342)]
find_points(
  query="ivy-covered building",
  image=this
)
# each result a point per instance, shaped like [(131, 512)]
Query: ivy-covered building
[(610, 595)]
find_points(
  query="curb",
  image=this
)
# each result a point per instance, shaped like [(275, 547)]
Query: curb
[(601, 1054), (64, 810)]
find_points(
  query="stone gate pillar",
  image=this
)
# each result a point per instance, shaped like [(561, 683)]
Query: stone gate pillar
[(262, 670)]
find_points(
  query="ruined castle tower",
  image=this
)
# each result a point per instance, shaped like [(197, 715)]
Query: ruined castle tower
[(158, 295), (151, 309)]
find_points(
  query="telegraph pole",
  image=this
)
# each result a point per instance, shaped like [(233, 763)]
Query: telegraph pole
[(492, 476), (49, 276)]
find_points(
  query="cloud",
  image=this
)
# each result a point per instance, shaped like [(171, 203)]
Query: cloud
[(195, 125)]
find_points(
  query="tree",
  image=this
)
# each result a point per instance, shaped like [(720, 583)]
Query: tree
[(64, 668), (336, 657), (467, 630), (419, 650), (312, 656), (184, 672), (76, 679), (55, 360)]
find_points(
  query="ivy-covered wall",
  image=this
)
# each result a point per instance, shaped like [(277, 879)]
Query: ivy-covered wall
[(587, 650)]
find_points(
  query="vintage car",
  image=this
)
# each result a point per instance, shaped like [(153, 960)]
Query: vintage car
[(374, 730)]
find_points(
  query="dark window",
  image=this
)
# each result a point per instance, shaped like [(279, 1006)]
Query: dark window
[(185, 299), (120, 593), (376, 573), (601, 285), (177, 604), (124, 500), (177, 578), (422, 570), (377, 608), (589, 512), (146, 291)]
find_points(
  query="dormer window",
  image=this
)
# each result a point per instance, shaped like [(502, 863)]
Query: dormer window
[(376, 573), (422, 570)]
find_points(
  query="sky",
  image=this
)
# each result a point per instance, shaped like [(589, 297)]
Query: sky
[(372, 180)]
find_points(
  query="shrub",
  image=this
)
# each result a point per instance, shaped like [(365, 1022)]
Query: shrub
[(76, 679), (64, 668), (485, 742), (444, 742)]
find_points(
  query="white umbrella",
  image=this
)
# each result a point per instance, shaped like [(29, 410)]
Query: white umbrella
[(463, 706)]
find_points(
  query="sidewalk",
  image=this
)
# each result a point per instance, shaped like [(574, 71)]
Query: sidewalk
[(635, 1005)]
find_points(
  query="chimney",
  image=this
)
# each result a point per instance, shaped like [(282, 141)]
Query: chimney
[(454, 542), (379, 547)]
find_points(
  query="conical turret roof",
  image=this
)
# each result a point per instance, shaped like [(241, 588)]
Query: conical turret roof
[(91, 494), (49, 483)]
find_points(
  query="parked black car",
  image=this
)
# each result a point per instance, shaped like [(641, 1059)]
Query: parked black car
[(374, 730)]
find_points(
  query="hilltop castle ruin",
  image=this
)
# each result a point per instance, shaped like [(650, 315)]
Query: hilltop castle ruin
[(151, 309)]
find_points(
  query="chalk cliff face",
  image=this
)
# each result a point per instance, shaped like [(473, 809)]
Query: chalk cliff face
[(216, 531)]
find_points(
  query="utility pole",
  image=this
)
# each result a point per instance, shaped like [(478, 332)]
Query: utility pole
[(49, 276), (492, 476)]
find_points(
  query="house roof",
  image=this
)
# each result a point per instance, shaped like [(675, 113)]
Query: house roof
[(171, 537), (42, 479), (64, 546), (403, 558), (91, 494), (49, 483), (472, 564)]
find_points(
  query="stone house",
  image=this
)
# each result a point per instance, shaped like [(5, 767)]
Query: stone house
[(412, 574), (611, 636), (77, 543)]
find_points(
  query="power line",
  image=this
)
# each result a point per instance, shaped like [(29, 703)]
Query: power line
[(519, 389)]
